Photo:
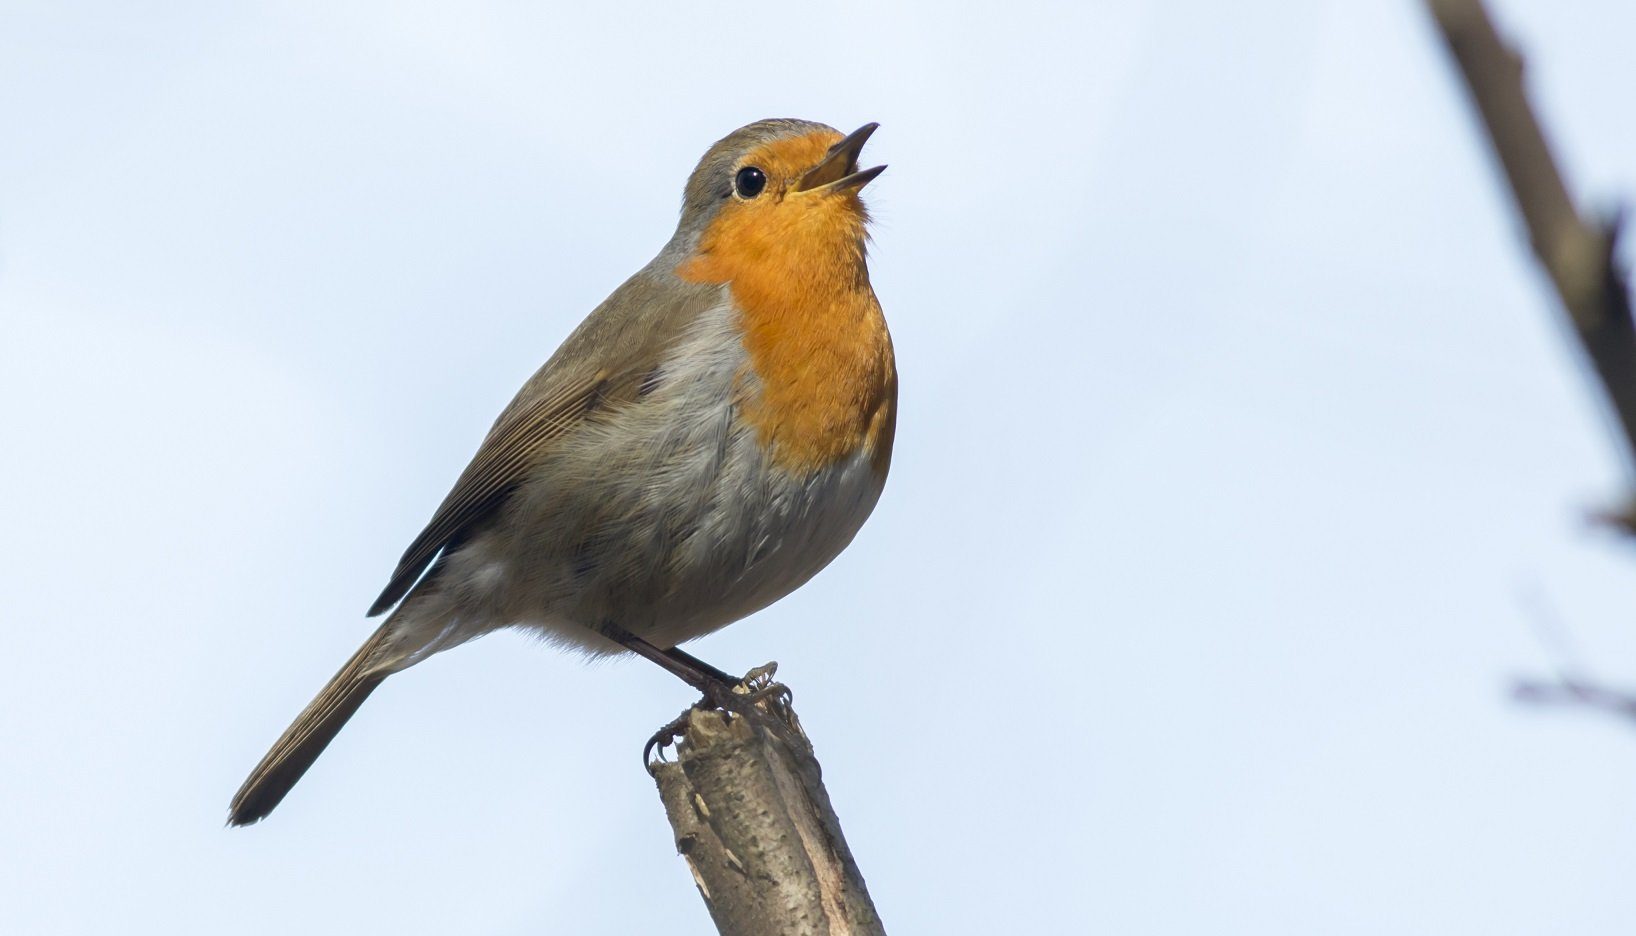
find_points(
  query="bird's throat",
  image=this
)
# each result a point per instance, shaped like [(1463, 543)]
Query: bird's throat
[(825, 382)]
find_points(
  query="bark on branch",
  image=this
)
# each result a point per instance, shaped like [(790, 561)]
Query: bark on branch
[(1577, 254), (752, 820)]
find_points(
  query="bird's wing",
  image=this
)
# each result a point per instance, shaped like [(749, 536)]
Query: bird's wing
[(601, 365)]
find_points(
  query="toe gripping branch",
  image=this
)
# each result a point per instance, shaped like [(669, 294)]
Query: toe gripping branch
[(757, 697)]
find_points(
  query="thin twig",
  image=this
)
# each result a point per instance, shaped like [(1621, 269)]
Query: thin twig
[(1569, 691), (1570, 684)]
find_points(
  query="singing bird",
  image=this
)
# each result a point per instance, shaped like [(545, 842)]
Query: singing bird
[(706, 441)]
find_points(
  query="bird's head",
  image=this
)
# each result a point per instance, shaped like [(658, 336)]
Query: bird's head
[(777, 192)]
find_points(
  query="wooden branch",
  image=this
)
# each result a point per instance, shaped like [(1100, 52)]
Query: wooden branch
[(1577, 254), (754, 824)]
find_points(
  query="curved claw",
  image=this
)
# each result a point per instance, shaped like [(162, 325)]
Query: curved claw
[(653, 753), (756, 688)]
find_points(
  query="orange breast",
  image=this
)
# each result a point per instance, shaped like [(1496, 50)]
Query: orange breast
[(813, 328)]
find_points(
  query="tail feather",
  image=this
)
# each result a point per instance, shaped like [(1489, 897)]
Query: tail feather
[(307, 736)]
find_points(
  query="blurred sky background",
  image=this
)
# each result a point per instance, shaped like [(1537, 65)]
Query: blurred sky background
[(1241, 465)]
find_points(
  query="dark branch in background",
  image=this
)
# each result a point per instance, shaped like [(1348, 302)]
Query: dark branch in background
[(1570, 691), (1565, 687), (1577, 254), (752, 819)]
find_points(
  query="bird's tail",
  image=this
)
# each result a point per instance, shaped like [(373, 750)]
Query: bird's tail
[(309, 734)]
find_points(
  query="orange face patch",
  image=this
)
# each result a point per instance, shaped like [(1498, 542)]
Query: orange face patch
[(813, 329), (784, 161)]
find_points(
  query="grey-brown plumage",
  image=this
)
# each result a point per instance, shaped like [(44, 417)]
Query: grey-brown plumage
[(622, 487), (306, 738), (601, 365), (629, 333)]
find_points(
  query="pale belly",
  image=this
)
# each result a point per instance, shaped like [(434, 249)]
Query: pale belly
[(674, 553)]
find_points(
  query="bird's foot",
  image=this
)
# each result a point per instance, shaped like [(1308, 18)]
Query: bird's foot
[(757, 696), (653, 753)]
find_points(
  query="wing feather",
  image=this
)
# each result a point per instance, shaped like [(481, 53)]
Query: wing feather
[(499, 465), (606, 360)]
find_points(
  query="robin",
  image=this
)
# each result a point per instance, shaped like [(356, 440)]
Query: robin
[(706, 441)]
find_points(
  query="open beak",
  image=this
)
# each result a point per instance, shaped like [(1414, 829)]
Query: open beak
[(839, 169)]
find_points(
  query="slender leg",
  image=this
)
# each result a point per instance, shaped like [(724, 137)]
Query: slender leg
[(684, 666), (688, 659)]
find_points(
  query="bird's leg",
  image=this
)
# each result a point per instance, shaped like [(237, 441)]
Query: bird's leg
[(715, 685), (688, 659), (684, 666), (718, 688)]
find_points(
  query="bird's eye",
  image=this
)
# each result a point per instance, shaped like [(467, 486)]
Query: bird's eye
[(749, 182)]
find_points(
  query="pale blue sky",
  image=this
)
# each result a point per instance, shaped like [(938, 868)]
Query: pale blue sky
[(1239, 451)]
